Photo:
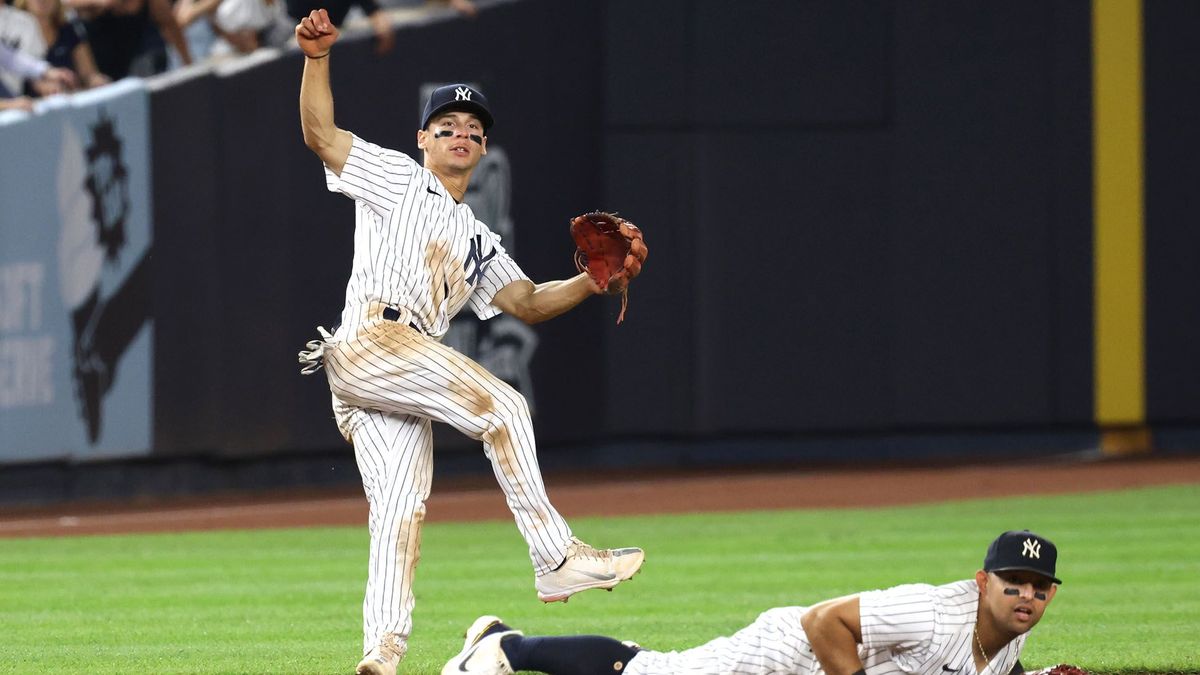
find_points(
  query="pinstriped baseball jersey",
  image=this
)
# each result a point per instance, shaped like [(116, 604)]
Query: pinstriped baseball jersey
[(415, 249), (915, 629), (419, 259)]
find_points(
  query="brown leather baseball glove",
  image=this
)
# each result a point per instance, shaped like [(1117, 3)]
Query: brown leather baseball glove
[(1060, 669), (611, 250)]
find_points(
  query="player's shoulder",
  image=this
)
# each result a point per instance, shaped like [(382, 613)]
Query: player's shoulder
[(479, 226), (952, 594), (476, 226), (942, 604), (379, 153), (962, 587), (892, 598), (957, 601), (909, 588)]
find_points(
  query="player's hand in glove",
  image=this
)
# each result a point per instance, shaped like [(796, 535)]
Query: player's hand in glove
[(1060, 669), (611, 250), (315, 34)]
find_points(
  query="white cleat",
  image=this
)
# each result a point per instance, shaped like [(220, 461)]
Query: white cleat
[(585, 568), (384, 658), (481, 653), (481, 627)]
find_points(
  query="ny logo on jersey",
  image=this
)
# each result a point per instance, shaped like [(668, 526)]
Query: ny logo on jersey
[(476, 256), (462, 94), (1032, 549)]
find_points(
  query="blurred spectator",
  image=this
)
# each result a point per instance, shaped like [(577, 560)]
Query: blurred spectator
[(43, 78), (465, 7), (66, 40), (128, 36), (240, 26), (381, 24), (19, 32), (19, 103)]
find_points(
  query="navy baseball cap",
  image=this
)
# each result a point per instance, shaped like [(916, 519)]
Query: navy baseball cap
[(1022, 550), (462, 97)]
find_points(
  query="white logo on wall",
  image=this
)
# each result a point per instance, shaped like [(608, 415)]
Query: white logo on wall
[(1032, 549), (100, 286)]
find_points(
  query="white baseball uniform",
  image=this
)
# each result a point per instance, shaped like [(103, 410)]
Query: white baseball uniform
[(915, 629), (419, 258)]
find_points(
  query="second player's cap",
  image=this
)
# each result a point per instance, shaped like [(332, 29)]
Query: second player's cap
[(1022, 550), (458, 97)]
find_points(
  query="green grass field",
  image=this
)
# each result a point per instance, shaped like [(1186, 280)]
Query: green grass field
[(288, 601)]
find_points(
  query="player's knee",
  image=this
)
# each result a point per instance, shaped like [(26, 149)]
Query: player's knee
[(512, 406)]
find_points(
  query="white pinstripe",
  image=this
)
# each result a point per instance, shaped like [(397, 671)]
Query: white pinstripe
[(389, 447), (915, 629), (419, 253)]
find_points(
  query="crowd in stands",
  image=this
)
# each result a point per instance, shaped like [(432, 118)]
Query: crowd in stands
[(51, 47)]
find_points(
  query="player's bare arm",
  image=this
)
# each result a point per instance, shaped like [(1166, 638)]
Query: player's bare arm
[(315, 34), (835, 631), (164, 16), (534, 304)]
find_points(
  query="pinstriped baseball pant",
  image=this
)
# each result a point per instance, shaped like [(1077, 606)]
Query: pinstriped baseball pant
[(774, 644), (388, 381)]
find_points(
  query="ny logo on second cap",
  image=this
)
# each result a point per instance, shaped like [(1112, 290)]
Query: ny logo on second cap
[(1032, 549), (462, 94)]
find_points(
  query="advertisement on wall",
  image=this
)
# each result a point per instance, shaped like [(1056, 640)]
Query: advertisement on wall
[(75, 243)]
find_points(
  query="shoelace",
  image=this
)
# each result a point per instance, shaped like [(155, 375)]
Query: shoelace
[(391, 649), (588, 551)]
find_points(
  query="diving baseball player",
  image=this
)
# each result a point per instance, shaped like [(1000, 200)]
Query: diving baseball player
[(972, 627), (420, 257)]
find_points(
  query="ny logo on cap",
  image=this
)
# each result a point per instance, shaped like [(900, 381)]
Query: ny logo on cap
[(1032, 549), (462, 94)]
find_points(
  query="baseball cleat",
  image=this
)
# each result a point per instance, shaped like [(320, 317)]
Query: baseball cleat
[(482, 627), (384, 658), (482, 653), (585, 568)]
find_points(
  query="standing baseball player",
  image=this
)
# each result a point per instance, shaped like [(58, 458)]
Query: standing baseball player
[(972, 627), (420, 257)]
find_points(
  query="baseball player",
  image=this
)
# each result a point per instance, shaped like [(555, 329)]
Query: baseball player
[(420, 257), (971, 627)]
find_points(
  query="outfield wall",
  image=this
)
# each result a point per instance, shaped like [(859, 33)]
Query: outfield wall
[(866, 221)]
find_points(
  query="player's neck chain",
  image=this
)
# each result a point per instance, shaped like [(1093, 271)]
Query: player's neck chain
[(986, 661)]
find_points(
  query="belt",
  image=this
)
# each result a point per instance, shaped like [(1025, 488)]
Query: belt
[(393, 314)]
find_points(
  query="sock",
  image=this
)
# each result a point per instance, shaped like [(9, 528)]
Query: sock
[(570, 655)]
